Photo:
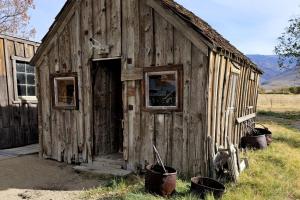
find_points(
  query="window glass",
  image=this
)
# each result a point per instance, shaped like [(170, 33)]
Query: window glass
[(162, 90), (25, 79)]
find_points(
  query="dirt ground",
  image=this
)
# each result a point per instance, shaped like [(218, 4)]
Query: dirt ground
[(32, 178)]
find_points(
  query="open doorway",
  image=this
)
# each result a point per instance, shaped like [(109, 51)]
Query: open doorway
[(107, 108)]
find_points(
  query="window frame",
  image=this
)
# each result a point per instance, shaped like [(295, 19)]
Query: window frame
[(54, 90), (160, 70), (19, 99), (235, 73)]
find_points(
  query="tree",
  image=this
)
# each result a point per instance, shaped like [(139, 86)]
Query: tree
[(288, 48), (14, 18)]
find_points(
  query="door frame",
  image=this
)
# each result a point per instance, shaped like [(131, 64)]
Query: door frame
[(93, 61)]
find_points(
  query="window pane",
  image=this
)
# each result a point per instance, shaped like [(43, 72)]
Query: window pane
[(31, 79), (21, 78), (66, 92), (29, 69), (22, 90), (20, 67), (162, 90), (31, 91)]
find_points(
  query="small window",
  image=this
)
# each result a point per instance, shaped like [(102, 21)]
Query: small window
[(163, 88), (234, 78), (25, 74), (65, 92)]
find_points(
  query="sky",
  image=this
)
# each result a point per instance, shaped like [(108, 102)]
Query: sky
[(253, 26)]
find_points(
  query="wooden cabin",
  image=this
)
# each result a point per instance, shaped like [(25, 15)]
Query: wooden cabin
[(18, 102), (117, 76)]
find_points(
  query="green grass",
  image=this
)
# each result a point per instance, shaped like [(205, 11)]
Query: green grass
[(282, 115), (273, 174)]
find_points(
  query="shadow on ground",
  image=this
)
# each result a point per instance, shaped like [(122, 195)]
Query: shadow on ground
[(33, 173)]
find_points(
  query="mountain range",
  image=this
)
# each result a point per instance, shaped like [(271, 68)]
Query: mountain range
[(275, 77)]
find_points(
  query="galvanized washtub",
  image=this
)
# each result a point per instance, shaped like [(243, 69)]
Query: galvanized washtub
[(159, 182)]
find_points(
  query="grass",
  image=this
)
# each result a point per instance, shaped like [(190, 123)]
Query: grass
[(273, 173), (279, 102), (283, 115)]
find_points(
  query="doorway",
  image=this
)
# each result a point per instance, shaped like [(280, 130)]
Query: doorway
[(107, 107)]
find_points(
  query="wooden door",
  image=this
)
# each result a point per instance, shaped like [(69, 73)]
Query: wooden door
[(107, 107)]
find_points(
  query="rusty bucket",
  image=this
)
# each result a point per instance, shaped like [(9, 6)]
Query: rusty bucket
[(203, 186), (158, 182)]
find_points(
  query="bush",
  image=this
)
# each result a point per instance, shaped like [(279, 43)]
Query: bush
[(294, 90)]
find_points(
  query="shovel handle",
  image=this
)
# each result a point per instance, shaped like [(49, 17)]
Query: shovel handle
[(159, 159)]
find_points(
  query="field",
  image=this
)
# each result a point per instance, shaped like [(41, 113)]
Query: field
[(273, 173), (278, 102)]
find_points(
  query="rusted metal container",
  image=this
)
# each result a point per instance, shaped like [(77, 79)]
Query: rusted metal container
[(202, 186), (254, 142), (158, 182)]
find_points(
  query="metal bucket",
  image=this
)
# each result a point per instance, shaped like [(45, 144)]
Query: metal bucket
[(204, 186), (264, 131), (157, 182), (254, 142)]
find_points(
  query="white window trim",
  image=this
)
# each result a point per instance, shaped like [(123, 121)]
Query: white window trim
[(56, 103), (147, 74), (19, 99)]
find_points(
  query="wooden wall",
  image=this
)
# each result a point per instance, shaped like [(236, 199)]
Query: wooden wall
[(18, 120), (134, 31), (142, 37), (222, 120)]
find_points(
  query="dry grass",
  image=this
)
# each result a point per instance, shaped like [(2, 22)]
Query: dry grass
[(278, 102), (273, 173)]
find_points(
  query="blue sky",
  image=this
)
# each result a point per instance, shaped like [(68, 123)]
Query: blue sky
[(253, 26)]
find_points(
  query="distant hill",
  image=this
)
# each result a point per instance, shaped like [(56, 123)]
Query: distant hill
[(268, 63), (289, 78), (274, 77)]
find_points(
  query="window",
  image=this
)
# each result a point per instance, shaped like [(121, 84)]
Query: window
[(234, 77), (25, 75), (65, 91), (163, 88)]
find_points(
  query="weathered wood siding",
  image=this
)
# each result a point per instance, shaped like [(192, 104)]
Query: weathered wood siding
[(135, 32), (18, 119), (221, 119)]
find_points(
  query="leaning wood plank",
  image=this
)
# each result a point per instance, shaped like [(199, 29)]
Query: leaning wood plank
[(245, 118), (219, 100), (210, 91), (215, 97)]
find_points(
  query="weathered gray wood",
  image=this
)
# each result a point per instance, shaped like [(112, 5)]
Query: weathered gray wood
[(187, 31), (132, 74), (142, 34), (245, 118)]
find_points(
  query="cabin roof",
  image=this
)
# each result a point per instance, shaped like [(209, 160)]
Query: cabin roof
[(202, 27), (14, 38)]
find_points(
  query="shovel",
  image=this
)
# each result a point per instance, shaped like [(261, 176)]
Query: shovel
[(160, 160)]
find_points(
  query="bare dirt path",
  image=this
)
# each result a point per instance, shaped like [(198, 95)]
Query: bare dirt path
[(32, 178)]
